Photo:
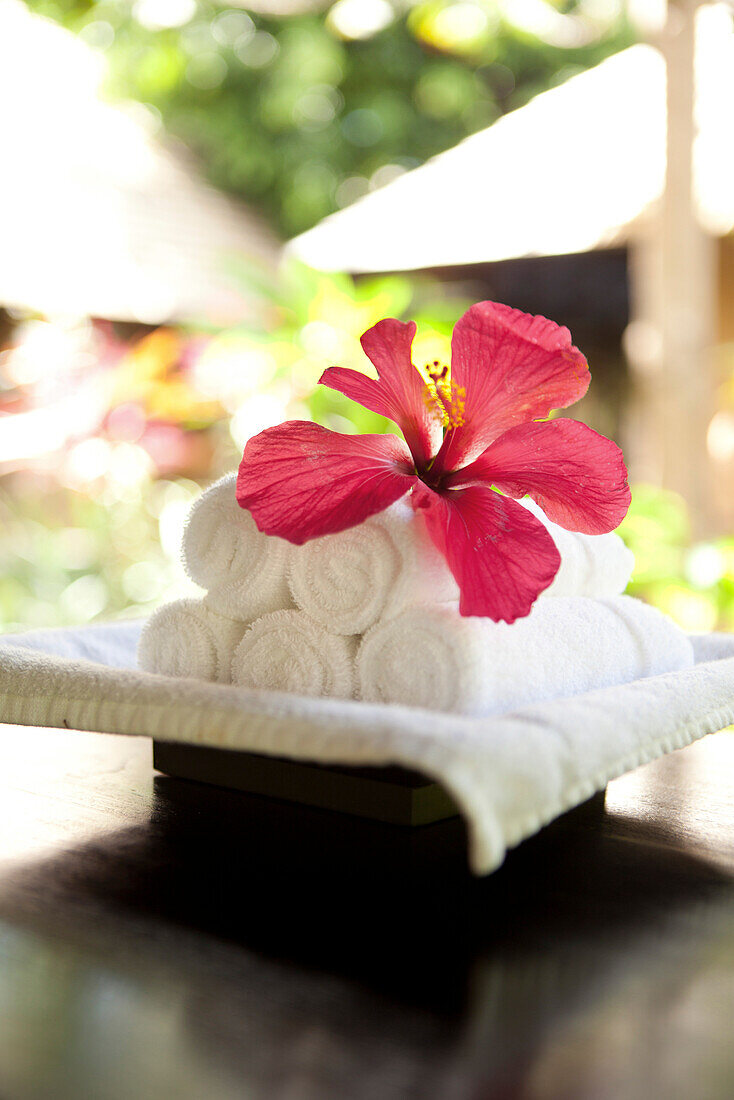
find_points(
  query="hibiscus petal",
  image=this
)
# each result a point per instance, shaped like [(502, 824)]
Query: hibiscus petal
[(501, 556), (577, 476), (301, 481), (514, 367), (399, 392)]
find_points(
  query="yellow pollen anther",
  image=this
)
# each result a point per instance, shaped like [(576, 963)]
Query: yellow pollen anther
[(444, 399)]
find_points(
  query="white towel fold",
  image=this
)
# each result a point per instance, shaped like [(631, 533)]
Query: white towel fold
[(287, 651), (591, 565), (186, 638), (432, 657), (348, 581), (244, 571), (509, 775)]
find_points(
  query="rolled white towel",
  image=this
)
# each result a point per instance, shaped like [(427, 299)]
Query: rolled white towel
[(591, 565), (186, 638), (348, 581), (287, 651), (432, 657), (244, 571)]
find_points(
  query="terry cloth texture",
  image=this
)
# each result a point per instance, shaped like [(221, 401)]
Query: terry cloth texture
[(186, 638), (287, 651), (349, 580), (432, 657), (245, 572), (591, 565)]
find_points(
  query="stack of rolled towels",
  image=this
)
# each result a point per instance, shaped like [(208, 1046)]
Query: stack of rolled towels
[(372, 614)]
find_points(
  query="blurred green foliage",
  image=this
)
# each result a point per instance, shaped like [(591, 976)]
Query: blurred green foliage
[(68, 557), (691, 582), (301, 117), (311, 320)]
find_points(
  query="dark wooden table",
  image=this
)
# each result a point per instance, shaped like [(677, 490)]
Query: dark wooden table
[(161, 939)]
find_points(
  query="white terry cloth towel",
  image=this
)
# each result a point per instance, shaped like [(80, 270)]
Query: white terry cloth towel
[(186, 638), (287, 651), (508, 774), (243, 570), (591, 565), (349, 580), (433, 657)]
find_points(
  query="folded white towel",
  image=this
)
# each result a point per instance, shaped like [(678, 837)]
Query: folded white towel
[(432, 657), (244, 571), (591, 565), (509, 775), (287, 651), (186, 638), (348, 581)]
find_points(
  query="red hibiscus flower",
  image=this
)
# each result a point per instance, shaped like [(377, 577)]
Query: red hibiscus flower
[(474, 438)]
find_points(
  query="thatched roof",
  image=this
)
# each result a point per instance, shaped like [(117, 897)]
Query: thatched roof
[(574, 170)]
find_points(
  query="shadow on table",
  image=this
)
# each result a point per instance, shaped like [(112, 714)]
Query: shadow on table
[(285, 925)]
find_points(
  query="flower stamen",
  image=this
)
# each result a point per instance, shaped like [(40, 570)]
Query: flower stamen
[(444, 399)]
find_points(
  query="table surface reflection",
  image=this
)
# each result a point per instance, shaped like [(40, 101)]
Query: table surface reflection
[(162, 939)]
